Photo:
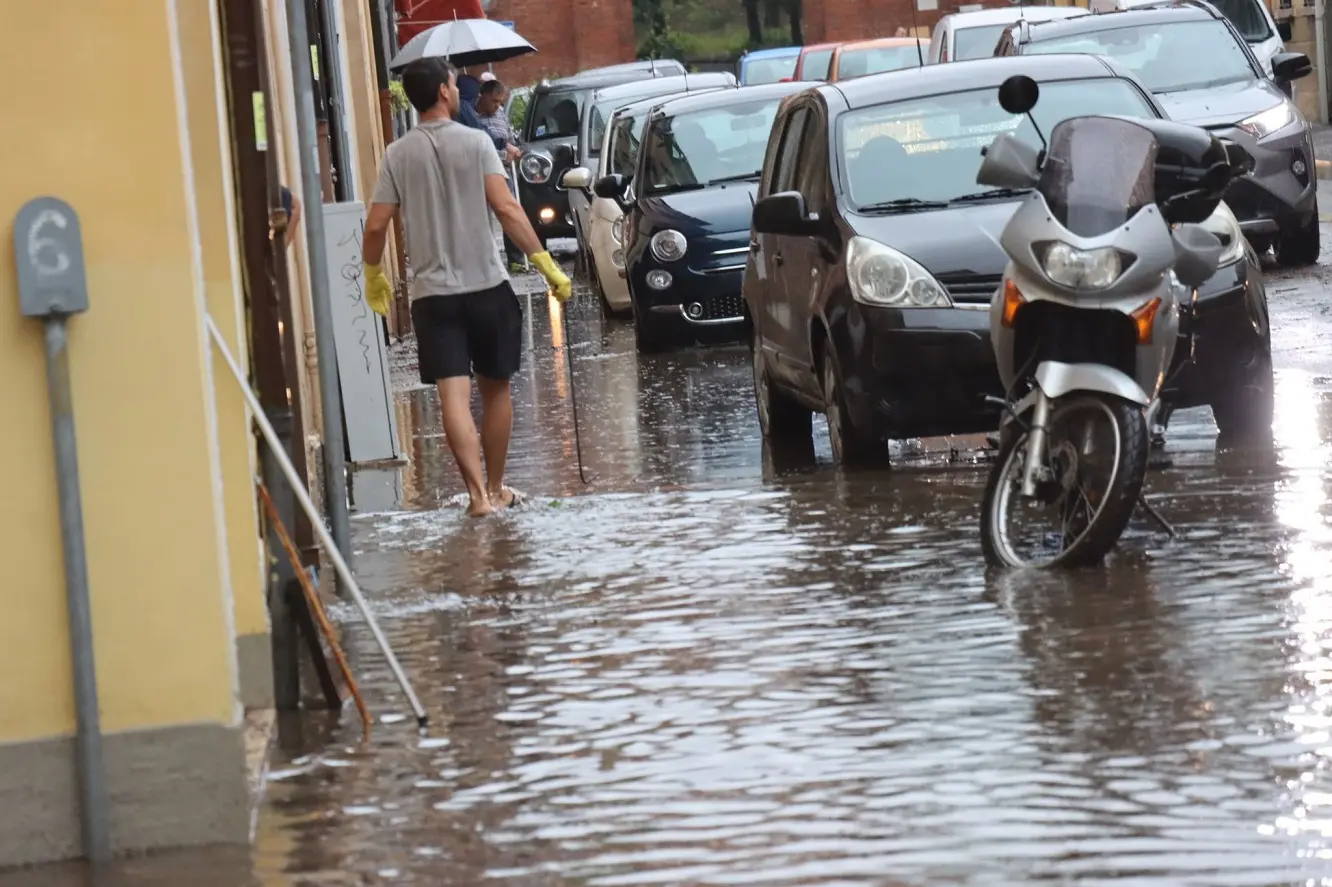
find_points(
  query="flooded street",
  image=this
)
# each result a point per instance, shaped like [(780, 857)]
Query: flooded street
[(717, 665)]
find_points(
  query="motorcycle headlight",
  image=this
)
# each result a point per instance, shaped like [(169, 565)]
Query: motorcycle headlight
[(1263, 124), (880, 275), (1093, 269), (536, 167), (1225, 226), (617, 230), (668, 245)]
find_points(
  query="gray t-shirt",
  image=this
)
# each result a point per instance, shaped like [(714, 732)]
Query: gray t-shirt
[(436, 176)]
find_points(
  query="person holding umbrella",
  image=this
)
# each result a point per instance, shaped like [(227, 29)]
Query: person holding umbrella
[(442, 177)]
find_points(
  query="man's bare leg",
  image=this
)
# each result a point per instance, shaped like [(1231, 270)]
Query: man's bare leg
[(496, 429), (455, 407)]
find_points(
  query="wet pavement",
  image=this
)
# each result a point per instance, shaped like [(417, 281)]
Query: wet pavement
[(713, 666)]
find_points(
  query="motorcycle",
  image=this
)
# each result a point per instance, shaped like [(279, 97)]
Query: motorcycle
[(1105, 255)]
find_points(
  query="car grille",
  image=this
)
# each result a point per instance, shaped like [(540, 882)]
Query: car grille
[(971, 289), (723, 308)]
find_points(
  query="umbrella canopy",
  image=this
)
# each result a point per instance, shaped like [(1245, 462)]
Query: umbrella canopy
[(471, 41)]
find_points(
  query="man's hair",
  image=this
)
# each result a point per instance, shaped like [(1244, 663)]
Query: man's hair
[(490, 87), (422, 79)]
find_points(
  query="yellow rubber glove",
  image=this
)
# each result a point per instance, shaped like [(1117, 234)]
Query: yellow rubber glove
[(378, 290), (561, 287)]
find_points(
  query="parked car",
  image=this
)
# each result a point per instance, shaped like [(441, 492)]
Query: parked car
[(768, 65), (551, 128), (603, 221), (875, 256), (961, 36), (1251, 18), (687, 226), (814, 61), (876, 57), (1204, 73), (597, 111)]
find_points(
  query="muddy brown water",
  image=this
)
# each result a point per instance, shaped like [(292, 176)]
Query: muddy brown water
[(719, 666)]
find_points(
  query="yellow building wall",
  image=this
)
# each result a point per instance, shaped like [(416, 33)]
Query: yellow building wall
[(210, 154), (102, 129)]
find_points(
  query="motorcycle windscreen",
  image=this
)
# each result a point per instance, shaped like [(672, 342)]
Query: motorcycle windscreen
[(1098, 172)]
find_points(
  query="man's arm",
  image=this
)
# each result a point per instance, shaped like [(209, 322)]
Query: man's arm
[(510, 214), (377, 221), (293, 218)]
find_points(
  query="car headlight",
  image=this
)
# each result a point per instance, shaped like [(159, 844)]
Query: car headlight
[(1263, 124), (1093, 269), (617, 230), (668, 245), (1225, 226), (880, 275), (536, 167)]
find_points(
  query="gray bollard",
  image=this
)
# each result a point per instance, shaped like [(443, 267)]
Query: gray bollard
[(53, 286)]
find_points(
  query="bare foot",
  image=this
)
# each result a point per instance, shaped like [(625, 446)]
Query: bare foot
[(479, 508)]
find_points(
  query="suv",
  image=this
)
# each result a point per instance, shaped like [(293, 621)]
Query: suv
[(1204, 73)]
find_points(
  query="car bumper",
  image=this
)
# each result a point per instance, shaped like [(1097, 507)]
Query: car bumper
[(547, 208), (706, 305), (918, 372), (1280, 195), (1228, 331)]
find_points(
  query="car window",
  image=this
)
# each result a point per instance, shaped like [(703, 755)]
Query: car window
[(698, 148), (976, 43), (623, 146), (811, 167), (876, 60), (929, 148), (1248, 18), (769, 70), (555, 115), (1166, 57), (815, 66), (788, 151)]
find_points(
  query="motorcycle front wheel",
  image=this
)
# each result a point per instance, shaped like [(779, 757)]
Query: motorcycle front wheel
[(1096, 456)]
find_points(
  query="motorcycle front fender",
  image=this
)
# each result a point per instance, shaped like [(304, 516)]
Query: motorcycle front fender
[(1058, 379)]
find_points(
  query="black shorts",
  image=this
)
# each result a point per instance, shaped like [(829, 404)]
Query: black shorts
[(481, 331)]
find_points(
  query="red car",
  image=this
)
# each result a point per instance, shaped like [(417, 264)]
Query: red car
[(814, 61)]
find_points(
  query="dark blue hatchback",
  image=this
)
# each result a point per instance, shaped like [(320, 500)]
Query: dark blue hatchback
[(689, 206)]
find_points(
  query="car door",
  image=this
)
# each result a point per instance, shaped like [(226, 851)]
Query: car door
[(808, 260), (779, 320)]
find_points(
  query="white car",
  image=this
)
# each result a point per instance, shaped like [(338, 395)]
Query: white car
[(960, 36), (1251, 18), (609, 145)]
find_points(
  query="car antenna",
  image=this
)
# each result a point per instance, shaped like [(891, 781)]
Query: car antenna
[(915, 32)]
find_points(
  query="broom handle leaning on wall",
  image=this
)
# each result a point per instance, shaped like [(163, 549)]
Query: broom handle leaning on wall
[(325, 539)]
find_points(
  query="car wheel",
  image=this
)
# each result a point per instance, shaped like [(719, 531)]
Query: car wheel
[(780, 417), (849, 444), (1300, 247), (647, 339), (1243, 410)]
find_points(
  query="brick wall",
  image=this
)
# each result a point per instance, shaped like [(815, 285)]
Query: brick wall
[(834, 20), (569, 35)]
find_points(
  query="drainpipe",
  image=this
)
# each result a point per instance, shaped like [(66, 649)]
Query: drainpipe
[(1320, 51)]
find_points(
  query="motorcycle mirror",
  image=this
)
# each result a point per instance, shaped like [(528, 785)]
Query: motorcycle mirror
[(1197, 254), (1018, 94)]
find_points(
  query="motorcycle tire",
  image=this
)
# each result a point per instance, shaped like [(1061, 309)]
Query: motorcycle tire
[(1121, 498)]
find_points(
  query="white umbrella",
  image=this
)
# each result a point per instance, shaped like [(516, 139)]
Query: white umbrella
[(465, 42)]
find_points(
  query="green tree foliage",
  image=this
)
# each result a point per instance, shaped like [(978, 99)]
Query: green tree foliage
[(708, 30)]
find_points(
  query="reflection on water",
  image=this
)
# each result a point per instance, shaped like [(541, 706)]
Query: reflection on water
[(733, 665)]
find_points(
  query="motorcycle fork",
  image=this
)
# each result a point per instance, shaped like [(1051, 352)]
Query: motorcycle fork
[(1036, 443)]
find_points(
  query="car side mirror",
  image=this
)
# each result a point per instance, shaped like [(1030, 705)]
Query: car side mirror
[(578, 177), (785, 213), (1288, 66), (1284, 30), (611, 187)]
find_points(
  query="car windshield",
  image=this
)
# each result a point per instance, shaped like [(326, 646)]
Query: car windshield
[(601, 115), (978, 42), (623, 148), (1247, 17), (1166, 57), (876, 60), (555, 115), (769, 70), (929, 149), (699, 148), (815, 66)]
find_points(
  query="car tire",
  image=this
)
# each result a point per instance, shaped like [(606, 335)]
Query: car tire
[(1244, 411), (648, 340), (849, 444), (1301, 247), (780, 417)]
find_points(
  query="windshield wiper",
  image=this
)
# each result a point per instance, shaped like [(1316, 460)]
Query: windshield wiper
[(672, 189), (741, 177), (992, 194), (903, 205)]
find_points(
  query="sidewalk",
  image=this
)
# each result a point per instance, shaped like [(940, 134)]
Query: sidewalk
[(1322, 137)]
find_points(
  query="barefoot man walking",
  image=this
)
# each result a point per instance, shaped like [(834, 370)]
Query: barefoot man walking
[(445, 178)]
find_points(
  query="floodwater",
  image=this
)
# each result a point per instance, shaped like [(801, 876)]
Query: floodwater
[(711, 666)]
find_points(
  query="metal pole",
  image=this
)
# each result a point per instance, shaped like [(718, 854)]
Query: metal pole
[(335, 458), (303, 498), (92, 780)]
